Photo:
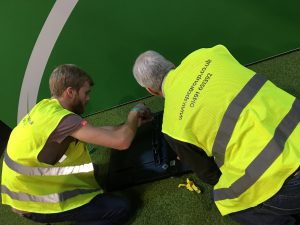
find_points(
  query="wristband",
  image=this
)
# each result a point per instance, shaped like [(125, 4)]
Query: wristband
[(136, 109)]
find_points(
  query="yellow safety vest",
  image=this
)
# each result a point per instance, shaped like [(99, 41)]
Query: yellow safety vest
[(32, 186), (248, 124)]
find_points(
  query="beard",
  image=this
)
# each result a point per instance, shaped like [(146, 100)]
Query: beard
[(78, 108)]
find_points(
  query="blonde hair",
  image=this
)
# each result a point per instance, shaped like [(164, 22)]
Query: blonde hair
[(67, 75)]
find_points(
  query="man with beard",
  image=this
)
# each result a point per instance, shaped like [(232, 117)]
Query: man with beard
[(47, 174)]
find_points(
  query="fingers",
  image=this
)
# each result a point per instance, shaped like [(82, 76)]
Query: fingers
[(144, 113), (139, 107)]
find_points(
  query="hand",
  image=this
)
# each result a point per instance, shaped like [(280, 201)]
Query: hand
[(144, 113)]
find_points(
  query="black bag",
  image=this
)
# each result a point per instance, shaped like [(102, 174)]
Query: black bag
[(149, 158), (4, 136)]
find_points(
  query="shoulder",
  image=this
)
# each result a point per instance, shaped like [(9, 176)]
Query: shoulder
[(68, 124), (71, 118)]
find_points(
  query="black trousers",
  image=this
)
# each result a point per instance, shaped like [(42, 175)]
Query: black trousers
[(104, 209), (282, 209)]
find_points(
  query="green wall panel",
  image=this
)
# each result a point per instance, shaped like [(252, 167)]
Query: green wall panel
[(104, 38), (20, 24)]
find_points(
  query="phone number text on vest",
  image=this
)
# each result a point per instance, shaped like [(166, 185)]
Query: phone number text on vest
[(197, 91)]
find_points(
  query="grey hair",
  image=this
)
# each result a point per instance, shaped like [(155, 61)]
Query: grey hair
[(150, 69)]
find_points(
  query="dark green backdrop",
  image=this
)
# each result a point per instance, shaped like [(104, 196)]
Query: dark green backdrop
[(104, 38)]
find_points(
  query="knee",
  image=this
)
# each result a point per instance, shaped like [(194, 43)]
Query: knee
[(123, 210), (126, 206)]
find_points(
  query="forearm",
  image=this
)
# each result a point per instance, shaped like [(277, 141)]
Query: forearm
[(127, 131), (204, 166), (117, 137)]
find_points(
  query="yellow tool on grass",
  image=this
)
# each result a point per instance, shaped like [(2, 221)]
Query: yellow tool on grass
[(190, 186)]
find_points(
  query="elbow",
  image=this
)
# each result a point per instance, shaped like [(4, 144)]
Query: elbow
[(125, 139), (123, 144), (123, 148)]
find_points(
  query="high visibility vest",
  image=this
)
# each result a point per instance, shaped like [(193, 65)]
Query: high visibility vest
[(33, 186), (250, 126)]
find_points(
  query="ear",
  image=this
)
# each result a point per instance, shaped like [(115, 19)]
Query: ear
[(153, 92), (69, 92)]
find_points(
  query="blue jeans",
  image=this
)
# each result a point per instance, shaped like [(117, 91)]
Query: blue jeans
[(282, 209), (104, 209)]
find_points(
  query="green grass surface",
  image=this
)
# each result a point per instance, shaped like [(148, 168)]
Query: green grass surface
[(162, 202)]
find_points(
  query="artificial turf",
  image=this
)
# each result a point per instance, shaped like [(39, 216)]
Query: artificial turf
[(162, 202)]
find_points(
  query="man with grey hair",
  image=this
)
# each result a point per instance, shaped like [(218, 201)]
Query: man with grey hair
[(235, 129), (48, 175)]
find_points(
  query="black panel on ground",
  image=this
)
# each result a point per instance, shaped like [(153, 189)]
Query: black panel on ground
[(149, 158)]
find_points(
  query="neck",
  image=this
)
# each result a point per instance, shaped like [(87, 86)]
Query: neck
[(65, 104), (162, 86)]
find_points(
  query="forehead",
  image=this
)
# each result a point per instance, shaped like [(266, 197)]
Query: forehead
[(86, 86)]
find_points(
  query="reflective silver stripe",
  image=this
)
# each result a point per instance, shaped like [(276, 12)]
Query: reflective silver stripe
[(52, 198), (232, 114), (42, 171), (264, 160)]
